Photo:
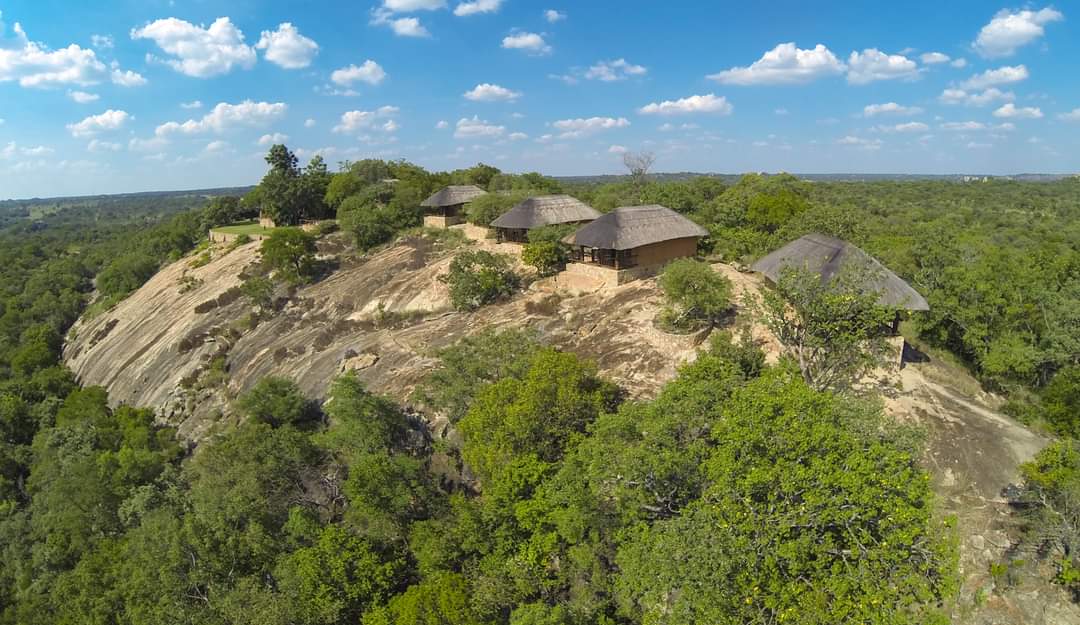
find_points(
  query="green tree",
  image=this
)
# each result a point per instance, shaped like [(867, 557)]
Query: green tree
[(276, 402), (477, 278), (811, 516), (1051, 518), (291, 252), (694, 292), (833, 329)]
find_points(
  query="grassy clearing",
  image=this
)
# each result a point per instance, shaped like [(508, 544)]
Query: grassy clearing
[(249, 228)]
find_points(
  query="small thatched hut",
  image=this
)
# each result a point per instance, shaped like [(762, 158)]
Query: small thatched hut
[(445, 207), (632, 242), (536, 212), (827, 256)]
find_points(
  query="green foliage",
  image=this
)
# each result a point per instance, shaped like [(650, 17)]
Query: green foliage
[(470, 364), (834, 330), (288, 194), (277, 402), (224, 210), (1061, 401), (487, 208), (478, 278), (535, 415), (126, 273), (291, 252), (1048, 498), (804, 521), (545, 249), (442, 599), (695, 293)]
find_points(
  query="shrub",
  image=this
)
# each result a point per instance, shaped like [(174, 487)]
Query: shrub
[(695, 293), (479, 278), (487, 208), (277, 402), (290, 251)]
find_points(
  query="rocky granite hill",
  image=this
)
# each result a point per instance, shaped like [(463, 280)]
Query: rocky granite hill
[(185, 345)]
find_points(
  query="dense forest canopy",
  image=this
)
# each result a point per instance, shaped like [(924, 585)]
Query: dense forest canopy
[(739, 495)]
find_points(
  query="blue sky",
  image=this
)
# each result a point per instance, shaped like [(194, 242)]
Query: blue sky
[(148, 95)]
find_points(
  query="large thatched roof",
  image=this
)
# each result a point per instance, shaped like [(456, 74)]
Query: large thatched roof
[(634, 226), (546, 210), (827, 255), (453, 195)]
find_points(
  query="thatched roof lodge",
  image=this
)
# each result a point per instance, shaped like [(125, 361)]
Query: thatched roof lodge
[(445, 207), (827, 256), (632, 242), (537, 212)]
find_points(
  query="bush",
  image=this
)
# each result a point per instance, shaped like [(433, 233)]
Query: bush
[(126, 273), (695, 293), (547, 257), (479, 278), (1061, 399), (291, 252), (487, 208), (277, 402)]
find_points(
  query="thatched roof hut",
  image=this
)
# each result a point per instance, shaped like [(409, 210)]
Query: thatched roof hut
[(635, 237), (635, 226), (546, 210), (537, 212), (453, 195), (826, 256)]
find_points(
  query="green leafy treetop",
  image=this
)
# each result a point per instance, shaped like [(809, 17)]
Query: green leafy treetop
[(695, 293), (290, 251), (477, 278), (834, 330)]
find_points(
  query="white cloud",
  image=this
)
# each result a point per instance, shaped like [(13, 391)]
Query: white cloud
[(1071, 116), (271, 139), (402, 26), (517, 136), (890, 108), (83, 97), (1010, 110), (103, 146), (486, 92), (127, 78), (152, 144), (287, 47), (227, 116), (354, 121), (33, 64), (959, 63), (194, 104), (109, 120), (370, 72), (101, 42), (1008, 31), (781, 111), (872, 65), (610, 71), (1001, 76), (476, 127), (442, 124), (907, 127), (199, 52), (309, 123), (784, 64), (530, 42), (408, 6), (934, 58), (969, 125), (959, 96), (477, 6), (861, 143), (708, 103), (552, 16), (217, 146), (617, 149), (580, 127)]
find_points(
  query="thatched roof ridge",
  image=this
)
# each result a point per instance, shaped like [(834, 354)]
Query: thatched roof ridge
[(453, 195), (634, 226), (546, 210), (826, 256)]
